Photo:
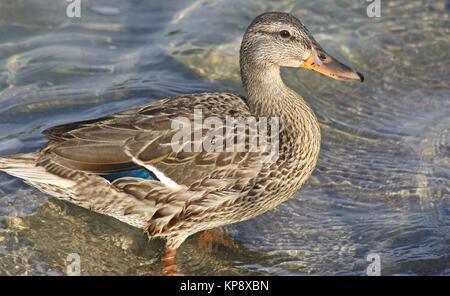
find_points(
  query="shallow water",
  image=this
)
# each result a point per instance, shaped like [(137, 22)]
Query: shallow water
[(382, 181)]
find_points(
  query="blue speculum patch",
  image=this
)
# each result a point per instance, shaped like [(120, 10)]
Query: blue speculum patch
[(143, 174)]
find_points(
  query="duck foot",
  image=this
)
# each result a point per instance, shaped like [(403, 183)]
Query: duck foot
[(215, 236), (168, 261)]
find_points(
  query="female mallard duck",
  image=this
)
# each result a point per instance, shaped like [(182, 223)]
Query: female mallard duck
[(124, 165)]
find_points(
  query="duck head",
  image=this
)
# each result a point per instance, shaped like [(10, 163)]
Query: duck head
[(280, 39)]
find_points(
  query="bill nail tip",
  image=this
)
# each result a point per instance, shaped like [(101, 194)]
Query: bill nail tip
[(361, 77)]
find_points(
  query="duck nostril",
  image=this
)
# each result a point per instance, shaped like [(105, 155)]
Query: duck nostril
[(322, 57)]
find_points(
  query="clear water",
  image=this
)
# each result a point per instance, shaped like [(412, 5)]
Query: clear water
[(382, 181)]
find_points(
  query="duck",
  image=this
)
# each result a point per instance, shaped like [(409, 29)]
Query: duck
[(126, 165)]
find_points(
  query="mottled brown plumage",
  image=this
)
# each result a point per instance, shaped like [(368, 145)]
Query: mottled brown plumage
[(192, 191)]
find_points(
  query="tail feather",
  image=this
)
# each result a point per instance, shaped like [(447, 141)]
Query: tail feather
[(24, 166)]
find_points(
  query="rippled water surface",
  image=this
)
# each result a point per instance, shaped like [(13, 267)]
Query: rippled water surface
[(382, 181)]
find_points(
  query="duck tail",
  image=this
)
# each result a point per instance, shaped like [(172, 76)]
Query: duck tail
[(20, 165), (24, 166), (18, 160)]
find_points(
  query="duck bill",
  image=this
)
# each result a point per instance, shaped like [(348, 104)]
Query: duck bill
[(331, 67)]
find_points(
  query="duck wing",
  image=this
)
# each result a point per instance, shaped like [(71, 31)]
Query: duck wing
[(142, 138)]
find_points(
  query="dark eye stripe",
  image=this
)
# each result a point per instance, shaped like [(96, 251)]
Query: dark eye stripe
[(272, 33)]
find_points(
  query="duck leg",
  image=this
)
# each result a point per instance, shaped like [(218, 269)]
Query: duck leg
[(215, 236), (168, 261)]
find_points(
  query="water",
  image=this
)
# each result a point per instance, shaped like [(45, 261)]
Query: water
[(382, 181)]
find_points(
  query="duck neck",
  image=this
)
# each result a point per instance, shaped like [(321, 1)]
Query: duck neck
[(262, 84), (268, 96)]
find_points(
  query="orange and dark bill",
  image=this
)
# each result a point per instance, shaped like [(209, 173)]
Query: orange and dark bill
[(323, 63)]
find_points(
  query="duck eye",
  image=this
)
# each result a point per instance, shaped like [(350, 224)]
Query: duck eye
[(285, 34)]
